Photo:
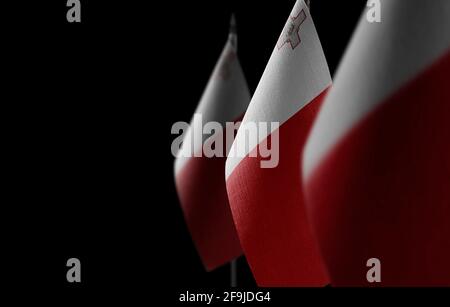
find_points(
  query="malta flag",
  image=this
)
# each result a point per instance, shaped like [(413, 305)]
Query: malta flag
[(377, 164), (200, 180), (267, 203)]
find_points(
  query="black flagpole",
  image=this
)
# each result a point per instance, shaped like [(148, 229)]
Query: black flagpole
[(233, 39), (233, 275)]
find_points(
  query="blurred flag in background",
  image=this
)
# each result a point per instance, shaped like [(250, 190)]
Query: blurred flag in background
[(377, 163), (200, 181)]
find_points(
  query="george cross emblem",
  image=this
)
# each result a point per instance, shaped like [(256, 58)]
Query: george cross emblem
[(290, 32)]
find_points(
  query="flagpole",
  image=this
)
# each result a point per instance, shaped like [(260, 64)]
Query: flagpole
[(233, 275), (233, 32), (233, 39)]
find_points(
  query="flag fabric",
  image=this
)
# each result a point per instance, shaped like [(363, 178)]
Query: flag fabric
[(376, 167), (200, 181), (267, 203)]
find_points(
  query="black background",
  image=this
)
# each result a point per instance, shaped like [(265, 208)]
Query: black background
[(92, 104)]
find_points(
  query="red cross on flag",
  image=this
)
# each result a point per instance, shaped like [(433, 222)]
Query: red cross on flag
[(199, 178), (290, 32), (377, 164), (267, 203)]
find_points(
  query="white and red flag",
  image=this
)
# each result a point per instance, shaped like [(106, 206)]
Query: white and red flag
[(267, 203), (200, 177), (377, 164)]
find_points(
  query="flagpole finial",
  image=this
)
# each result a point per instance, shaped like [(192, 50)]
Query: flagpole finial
[(233, 31), (233, 24)]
